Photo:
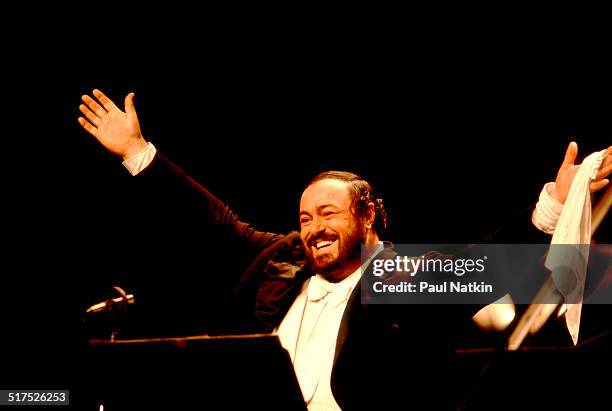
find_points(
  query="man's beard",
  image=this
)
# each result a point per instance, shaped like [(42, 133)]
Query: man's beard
[(350, 250)]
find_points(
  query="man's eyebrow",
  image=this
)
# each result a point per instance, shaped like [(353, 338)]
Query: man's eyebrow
[(324, 206), (321, 208)]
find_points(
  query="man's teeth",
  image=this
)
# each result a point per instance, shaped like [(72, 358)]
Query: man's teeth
[(322, 244)]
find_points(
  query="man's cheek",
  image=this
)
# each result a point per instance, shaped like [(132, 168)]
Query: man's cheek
[(303, 237)]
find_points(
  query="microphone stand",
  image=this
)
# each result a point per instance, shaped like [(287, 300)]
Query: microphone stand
[(116, 307)]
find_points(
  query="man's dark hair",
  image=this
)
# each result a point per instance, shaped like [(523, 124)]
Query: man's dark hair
[(362, 194)]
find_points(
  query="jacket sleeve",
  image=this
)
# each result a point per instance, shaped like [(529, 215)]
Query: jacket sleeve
[(165, 179), (517, 229)]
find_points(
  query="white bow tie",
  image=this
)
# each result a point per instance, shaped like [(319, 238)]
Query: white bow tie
[(319, 288)]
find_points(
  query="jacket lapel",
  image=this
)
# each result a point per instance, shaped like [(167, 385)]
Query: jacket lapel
[(354, 308)]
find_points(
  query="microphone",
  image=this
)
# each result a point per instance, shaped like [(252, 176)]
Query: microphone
[(112, 304)]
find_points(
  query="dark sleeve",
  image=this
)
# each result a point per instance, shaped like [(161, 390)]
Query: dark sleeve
[(168, 182), (518, 229), (528, 276)]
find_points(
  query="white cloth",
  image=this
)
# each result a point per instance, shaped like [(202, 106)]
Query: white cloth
[(574, 228), (309, 331)]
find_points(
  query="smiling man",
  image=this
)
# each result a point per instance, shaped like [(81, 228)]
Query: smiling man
[(338, 213), (346, 355), (337, 216)]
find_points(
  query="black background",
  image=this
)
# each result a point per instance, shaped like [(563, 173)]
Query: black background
[(456, 135)]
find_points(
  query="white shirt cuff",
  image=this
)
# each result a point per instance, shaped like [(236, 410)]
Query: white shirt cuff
[(140, 160), (547, 211)]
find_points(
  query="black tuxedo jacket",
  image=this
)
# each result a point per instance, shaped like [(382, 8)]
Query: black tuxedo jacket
[(387, 356)]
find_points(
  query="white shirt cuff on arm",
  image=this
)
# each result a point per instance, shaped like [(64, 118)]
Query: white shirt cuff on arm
[(547, 211), (140, 160)]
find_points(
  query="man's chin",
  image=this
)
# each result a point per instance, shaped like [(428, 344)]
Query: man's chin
[(324, 263)]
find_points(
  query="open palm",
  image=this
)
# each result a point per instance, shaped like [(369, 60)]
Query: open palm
[(118, 131)]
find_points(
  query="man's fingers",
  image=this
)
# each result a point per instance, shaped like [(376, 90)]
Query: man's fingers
[(598, 185), (106, 102), (129, 104), (93, 105), (89, 114), (570, 155), (603, 172), (606, 160), (88, 126)]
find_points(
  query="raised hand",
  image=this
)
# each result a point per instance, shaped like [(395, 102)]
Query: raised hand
[(118, 131), (568, 171)]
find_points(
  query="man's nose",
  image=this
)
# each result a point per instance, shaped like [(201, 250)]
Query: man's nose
[(317, 227)]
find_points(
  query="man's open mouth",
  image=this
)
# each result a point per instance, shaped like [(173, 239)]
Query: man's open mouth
[(323, 243)]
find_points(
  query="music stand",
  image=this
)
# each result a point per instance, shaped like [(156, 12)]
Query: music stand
[(199, 372)]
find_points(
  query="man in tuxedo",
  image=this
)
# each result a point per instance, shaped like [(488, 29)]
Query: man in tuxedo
[(305, 286)]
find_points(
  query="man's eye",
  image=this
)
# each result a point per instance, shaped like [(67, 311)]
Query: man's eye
[(327, 214), (304, 220)]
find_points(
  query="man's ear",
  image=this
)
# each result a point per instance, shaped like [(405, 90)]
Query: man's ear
[(370, 215)]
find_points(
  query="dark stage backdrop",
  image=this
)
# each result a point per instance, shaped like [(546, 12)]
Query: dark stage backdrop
[(455, 151)]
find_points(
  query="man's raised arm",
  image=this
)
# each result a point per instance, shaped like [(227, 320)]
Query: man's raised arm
[(119, 132)]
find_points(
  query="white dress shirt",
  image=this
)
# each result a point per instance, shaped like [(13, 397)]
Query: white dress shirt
[(309, 331)]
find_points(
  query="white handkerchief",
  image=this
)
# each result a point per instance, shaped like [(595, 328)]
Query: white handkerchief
[(574, 228)]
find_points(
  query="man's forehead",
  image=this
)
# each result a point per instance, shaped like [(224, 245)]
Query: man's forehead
[(323, 191)]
